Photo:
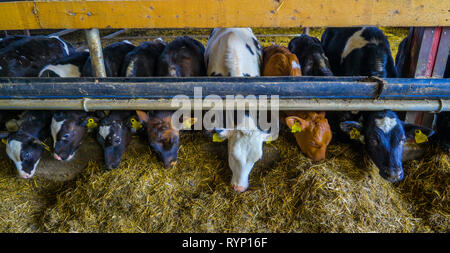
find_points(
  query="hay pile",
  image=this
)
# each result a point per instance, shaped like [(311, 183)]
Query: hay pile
[(22, 201), (296, 195)]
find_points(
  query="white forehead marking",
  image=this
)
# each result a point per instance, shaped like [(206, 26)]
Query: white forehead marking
[(295, 65), (66, 48), (386, 124), (130, 67), (354, 42), (128, 42), (13, 149), (104, 131), (56, 127), (63, 70)]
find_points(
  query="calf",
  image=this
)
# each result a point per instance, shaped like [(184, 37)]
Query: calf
[(69, 66), (26, 57), (312, 132), (237, 52), (358, 51), (181, 57), (25, 147), (142, 60), (233, 52), (279, 61), (113, 56), (68, 129), (114, 135), (311, 56), (383, 135), (443, 130)]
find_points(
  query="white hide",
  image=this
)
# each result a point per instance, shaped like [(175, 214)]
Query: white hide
[(245, 144), (104, 131), (55, 128), (386, 124), (63, 70), (356, 41), (227, 52), (13, 149)]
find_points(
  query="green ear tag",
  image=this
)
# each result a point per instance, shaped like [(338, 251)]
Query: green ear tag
[(136, 125), (296, 128), (217, 138), (420, 137), (46, 147), (354, 134), (91, 123)]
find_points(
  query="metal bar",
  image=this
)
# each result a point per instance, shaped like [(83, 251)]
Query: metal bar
[(442, 54), (96, 51), (206, 104), (63, 32), (167, 87)]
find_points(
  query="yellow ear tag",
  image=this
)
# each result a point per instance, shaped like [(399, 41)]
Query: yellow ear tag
[(296, 128), (189, 122), (5, 141), (136, 125), (269, 140), (91, 123), (420, 137), (46, 147), (217, 138), (354, 134)]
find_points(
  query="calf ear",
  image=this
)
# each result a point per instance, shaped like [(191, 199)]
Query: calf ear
[(293, 122), (223, 133), (412, 131), (353, 129), (143, 116)]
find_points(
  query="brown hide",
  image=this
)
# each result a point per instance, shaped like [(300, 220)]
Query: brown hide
[(315, 135), (279, 61)]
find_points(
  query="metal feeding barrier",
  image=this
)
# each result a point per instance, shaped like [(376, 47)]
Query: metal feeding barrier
[(293, 93)]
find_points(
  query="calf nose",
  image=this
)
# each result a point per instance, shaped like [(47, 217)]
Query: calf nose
[(57, 157), (239, 188)]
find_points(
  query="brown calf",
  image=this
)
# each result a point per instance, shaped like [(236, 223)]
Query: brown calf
[(312, 132), (279, 61)]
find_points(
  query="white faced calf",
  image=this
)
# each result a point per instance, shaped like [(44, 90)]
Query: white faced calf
[(237, 52)]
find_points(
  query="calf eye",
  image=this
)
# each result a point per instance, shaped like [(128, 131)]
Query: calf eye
[(26, 156), (66, 136), (117, 140), (373, 142)]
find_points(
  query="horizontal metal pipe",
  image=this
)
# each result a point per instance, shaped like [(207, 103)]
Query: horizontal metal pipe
[(166, 88), (206, 104)]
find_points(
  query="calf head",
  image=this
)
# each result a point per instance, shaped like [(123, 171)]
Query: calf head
[(68, 130), (312, 133), (278, 61), (311, 56), (383, 135), (245, 144), (25, 151), (163, 137), (114, 135)]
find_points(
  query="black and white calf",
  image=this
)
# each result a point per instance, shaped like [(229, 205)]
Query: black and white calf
[(311, 56), (25, 146), (358, 51), (26, 57), (113, 56), (68, 129), (233, 52), (114, 135), (142, 61), (237, 52), (69, 66), (383, 135)]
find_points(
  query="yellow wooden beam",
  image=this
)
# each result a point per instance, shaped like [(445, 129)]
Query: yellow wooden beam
[(222, 13)]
